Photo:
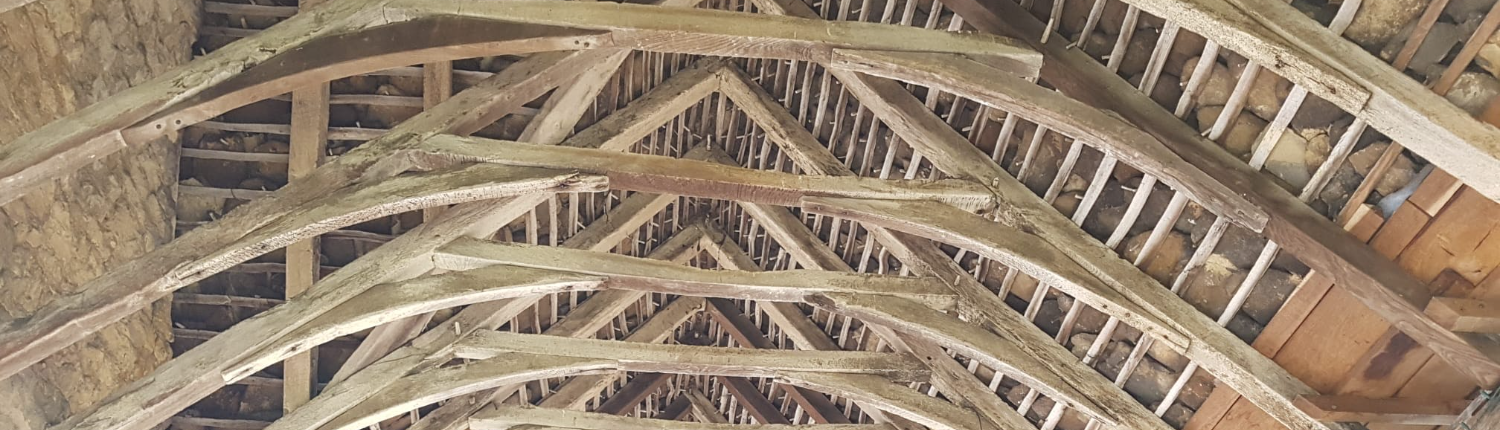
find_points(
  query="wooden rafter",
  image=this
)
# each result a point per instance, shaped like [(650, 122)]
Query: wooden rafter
[(1323, 245), (512, 416), (681, 176), (313, 47), (634, 273), (740, 362), (1276, 36)]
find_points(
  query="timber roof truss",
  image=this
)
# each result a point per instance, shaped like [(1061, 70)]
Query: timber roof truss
[(849, 279)]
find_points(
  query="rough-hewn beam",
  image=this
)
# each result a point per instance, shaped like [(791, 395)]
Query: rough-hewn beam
[(333, 41), (656, 358), (1105, 132), (647, 113), (58, 325), (634, 273), (74, 317), (615, 132), (507, 417), (1208, 344), (804, 333), (308, 143), (948, 375), (755, 403), (658, 174), (1323, 245), (588, 318), (1283, 40), (409, 391), (748, 335), (979, 303), (623, 402), (703, 409)]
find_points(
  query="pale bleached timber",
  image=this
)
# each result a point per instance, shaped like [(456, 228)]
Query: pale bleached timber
[(656, 358), (658, 174), (992, 411), (615, 132), (509, 417), (1015, 248), (410, 391), (1297, 228), (196, 373), (806, 248), (1208, 343), (1108, 133), (27, 343), (978, 302), (308, 143), (434, 348), (334, 41), (634, 273), (805, 334), (1284, 41), (143, 281)]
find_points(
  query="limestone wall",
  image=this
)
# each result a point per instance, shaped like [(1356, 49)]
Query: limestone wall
[(57, 56)]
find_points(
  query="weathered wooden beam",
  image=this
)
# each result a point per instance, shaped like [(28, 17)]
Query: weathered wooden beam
[(1108, 133), (755, 403), (1465, 315), (587, 319), (1324, 246), (1384, 411), (658, 358), (316, 47), (1012, 247), (507, 417), (59, 323), (623, 402), (647, 113), (634, 273), (309, 141), (658, 174), (677, 410), (1281, 39), (803, 246), (730, 34), (70, 319), (748, 335), (909, 114), (703, 409), (423, 387), (616, 132), (198, 372), (1208, 343), (789, 318)]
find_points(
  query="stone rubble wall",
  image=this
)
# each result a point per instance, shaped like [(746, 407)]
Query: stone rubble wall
[(57, 56)]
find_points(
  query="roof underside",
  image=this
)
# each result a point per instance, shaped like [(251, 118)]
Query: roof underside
[(1064, 154)]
